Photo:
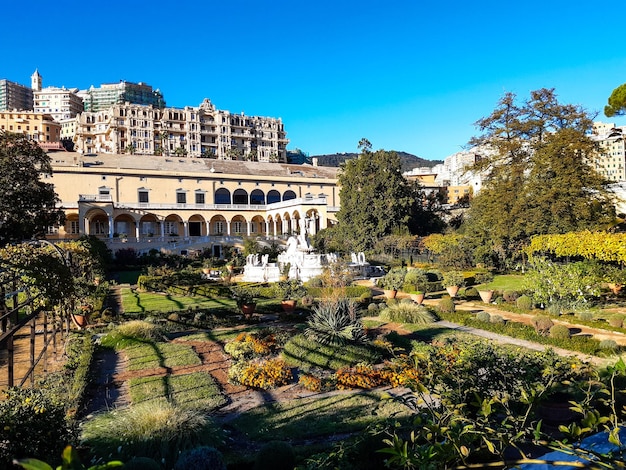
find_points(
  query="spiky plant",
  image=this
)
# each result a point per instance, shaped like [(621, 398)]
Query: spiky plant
[(335, 322), (408, 313)]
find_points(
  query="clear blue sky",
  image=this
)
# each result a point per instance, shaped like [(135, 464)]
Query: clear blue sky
[(407, 75)]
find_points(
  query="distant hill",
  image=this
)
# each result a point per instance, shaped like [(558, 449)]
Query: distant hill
[(408, 160)]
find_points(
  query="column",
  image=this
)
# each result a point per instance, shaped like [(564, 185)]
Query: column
[(267, 228), (274, 221), (137, 230), (110, 226), (162, 224), (86, 225), (228, 228), (186, 229), (249, 227)]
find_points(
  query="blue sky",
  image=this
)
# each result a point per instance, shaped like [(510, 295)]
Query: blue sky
[(407, 75)]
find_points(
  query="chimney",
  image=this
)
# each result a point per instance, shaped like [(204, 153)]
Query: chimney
[(314, 161)]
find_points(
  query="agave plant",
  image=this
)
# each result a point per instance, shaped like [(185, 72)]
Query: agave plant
[(335, 322)]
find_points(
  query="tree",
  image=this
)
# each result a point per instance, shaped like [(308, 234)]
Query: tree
[(375, 197), (539, 176), (27, 204), (617, 102)]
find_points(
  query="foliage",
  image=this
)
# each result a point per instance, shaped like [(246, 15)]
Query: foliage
[(393, 280), (27, 204), (289, 290), (335, 321), (265, 374), (452, 250), (524, 302), (252, 344), (408, 313), (375, 197), (617, 102), (510, 295), (360, 376), (538, 158), (416, 279), (446, 305), (453, 278), (617, 320), (142, 463), (308, 354), (33, 423), (576, 282), (275, 455), (601, 246), (542, 324), (608, 345), (483, 277), (244, 294), (483, 317), (70, 461), (560, 332), (153, 429), (131, 332), (201, 458)]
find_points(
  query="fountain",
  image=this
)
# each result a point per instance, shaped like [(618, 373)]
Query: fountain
[(303, 263)]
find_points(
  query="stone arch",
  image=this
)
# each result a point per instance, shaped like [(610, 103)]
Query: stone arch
[(149, 226), (258, 226), (196, 225), (72, 224), (218, 225), (315, 222), (238, 225), (222, 196), (173, 226), (240, 197), (288, 195), (125, 224), (257, 197), (273, 196)]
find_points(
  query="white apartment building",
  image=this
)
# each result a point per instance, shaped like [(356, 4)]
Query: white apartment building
[(611, 162), (453, 171), (201, 131)]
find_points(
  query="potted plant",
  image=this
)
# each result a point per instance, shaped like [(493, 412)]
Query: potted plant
[(452, 281), (615, 278), (483, 278), (392, 282), (284, 271), (417, 296), (245, 297), (289, 292)]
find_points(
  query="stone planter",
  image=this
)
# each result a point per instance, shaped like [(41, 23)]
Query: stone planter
[(452, 290), (390, 293), (80, 320), (485, 295), (417, 298)]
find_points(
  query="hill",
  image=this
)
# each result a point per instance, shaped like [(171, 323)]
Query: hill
[(408, 160)]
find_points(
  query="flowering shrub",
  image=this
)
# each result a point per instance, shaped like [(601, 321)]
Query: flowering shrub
[(401, 372), (248, 345), (359, 376), (267, 374)]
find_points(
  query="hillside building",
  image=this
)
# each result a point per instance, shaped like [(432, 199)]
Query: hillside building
[(611, 161), (15, 97), (40, 127), (109, 94)]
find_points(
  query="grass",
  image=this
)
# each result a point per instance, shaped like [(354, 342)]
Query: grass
[(152, 355), (140, 302), (315, 417), (504, 282), (197, 391)]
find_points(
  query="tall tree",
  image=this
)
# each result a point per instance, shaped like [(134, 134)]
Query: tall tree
[(375, 197), (27, 204), (617, 102), (539, 175)]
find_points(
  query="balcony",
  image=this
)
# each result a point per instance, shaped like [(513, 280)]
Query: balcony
[(95, 198)]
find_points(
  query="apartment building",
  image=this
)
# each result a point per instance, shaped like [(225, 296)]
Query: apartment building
[(15, 97), (39, 127), (109, 94), (611, 161), (61, 103), (201, 131)]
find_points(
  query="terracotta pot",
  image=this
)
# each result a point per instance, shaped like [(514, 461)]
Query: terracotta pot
[(452, 290), (390, 293), (288, 305), (79, 320), (206, 270), (615, 288), (418, 298), (485, 295), (248, 309)]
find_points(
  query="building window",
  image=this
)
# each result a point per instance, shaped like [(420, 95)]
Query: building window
[(99, 227), (143, 196), (218, 227), (200, 198), (171, 228), (74, 227), (181, 198), (238, 226)]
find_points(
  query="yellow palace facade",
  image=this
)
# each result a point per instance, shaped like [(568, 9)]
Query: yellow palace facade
[(151, 201)]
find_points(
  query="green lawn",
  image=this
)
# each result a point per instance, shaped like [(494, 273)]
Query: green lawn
[(506, 282), (138, 302), (151, 355)]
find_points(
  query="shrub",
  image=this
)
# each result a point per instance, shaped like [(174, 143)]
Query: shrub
[(307, 300), (406, 301), (393, 280), (559, 332), (585, 316), (617, 320), (135, 330), (497, 319), (360, 376), (275, 455), (510, 295), (372, 309), (408, 313), (201, 458), (542, 324), (267, 374), (391, 302), (499, 300), (335, 322), (483, 317), (453, 278), (239, 349), (141, 463), (32, 424), (471, 293), (446, 305), (483, 277), (608, 345), (417, 279), (524, 302)]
